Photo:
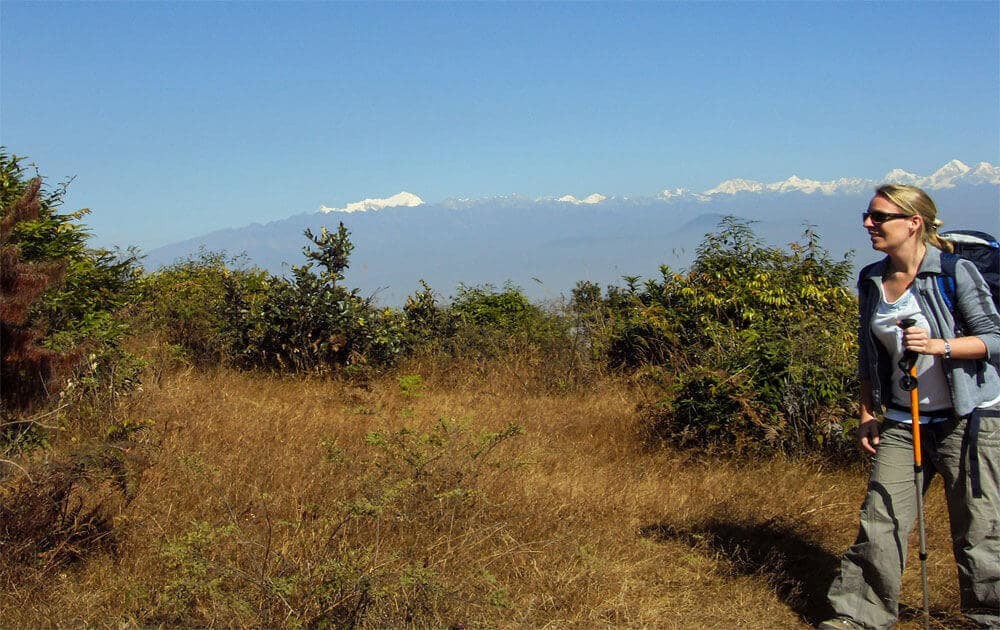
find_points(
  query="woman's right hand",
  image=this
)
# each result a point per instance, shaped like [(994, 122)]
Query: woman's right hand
[(868, 436)]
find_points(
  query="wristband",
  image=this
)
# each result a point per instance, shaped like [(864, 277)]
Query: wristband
[(947, 349)]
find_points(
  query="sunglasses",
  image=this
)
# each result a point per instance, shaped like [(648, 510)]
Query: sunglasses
[(878, 217)]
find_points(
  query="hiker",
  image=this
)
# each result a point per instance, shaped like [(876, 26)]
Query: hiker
[(958, 389)]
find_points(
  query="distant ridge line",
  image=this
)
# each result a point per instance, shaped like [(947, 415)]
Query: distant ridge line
[(952, 174)]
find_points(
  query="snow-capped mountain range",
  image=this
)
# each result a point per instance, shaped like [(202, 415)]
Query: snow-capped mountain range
[(399, 200), (547, 244), (950, 175), (588, 200)]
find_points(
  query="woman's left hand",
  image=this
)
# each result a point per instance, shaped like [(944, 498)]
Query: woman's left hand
[(919, 341)]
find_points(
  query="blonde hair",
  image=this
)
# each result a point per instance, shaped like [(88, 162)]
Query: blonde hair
[(914, 201)]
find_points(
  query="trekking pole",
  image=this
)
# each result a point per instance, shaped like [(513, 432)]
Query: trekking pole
[(909, 383)]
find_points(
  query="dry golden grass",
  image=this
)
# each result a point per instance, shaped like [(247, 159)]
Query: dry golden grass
[(270, 503)]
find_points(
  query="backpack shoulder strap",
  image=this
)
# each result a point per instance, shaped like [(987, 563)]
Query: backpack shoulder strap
[(946, 281)]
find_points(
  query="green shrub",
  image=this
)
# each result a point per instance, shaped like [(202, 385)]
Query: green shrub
[(61, 301), (495, 322), (484, 322), (761, 341), (192, 302), (310, 323), (220, 313), (430, 326)]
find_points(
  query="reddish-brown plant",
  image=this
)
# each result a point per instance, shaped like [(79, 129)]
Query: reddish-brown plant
[(26, 369)]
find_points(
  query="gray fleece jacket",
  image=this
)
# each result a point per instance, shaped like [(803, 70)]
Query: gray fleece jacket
[(972, 382)]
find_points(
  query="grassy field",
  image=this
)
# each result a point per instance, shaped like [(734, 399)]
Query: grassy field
[(453, 496)]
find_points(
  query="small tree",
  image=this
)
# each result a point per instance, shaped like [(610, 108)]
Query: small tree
[(310, 323), (59, 299), (25, 368), (332, 253)]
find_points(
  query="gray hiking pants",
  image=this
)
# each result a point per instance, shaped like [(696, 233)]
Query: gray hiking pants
[(867, 588)]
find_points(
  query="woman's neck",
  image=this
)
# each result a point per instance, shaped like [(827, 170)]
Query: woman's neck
[(906, 260)]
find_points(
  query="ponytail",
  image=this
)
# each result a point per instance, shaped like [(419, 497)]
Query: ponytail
[(914, 201)]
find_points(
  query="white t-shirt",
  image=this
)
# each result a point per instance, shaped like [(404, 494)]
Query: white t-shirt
[(935, 395)]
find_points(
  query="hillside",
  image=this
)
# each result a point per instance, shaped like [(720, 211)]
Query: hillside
[(546, 246)]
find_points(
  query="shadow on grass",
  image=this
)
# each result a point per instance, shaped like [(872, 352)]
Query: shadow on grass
[(798, 568)]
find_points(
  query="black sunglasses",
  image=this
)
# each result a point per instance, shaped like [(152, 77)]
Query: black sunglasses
[(878, 217)]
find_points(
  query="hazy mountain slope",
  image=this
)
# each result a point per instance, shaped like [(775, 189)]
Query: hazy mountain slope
[(545, 246)]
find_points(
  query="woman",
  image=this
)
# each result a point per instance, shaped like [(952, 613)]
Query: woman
[(957, 381)]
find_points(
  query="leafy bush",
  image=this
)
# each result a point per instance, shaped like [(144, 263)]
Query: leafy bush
[(208, 306), (189, 303), (495, 321), (761, 342), (492, 328), (26, 368), (217, 312), (430, 326), (310, 323), (484, 322), (60, 301)]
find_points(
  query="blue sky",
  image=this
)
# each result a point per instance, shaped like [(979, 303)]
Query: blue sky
[(180, 118)]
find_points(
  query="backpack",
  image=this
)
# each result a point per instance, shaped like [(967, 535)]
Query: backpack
[(984, 251), (980, 248)]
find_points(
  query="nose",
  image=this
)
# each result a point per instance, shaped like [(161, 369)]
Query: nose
[(867, 222)]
